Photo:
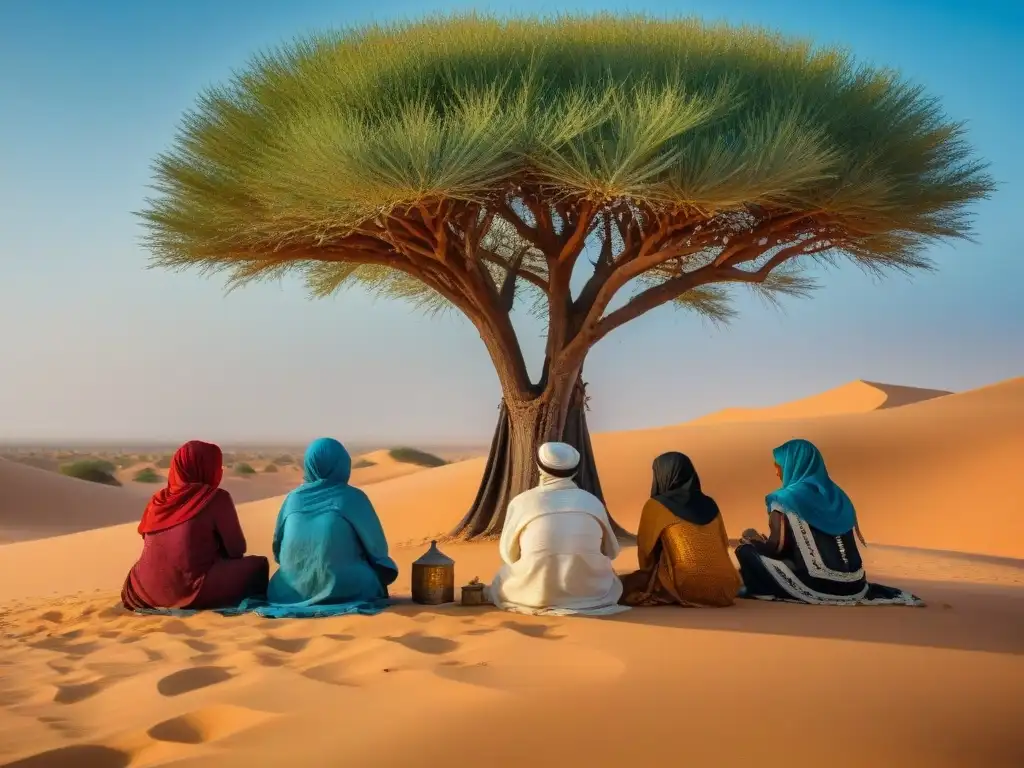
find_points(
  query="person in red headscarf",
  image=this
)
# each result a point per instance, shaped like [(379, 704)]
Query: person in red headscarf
[(193, 549)]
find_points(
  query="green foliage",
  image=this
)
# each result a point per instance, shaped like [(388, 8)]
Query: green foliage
[(271, 467), (244, 469), (147, 475), (416, 456), (93, 470), (278, 169), (284, 460)]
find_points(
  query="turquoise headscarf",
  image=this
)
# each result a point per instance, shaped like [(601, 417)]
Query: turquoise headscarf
[(328, 540), (326, 462), (808, 492)]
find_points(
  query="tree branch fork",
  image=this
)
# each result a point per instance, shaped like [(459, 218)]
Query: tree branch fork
[(444, 244)]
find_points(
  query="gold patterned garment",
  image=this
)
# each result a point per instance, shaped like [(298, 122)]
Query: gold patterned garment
[(680, 562)]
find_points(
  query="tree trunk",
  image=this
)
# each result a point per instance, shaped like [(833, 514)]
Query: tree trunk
[(512, 462)]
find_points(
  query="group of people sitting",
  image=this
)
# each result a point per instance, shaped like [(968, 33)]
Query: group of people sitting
[(557, 546), (328, 542)]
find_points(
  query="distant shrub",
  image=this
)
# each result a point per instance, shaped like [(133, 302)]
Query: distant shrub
[(124, 461), (164, 462), (415, 456), (93, 470), (284, 459), (363, 464), (147, 475), (242, 468), (270, 468)]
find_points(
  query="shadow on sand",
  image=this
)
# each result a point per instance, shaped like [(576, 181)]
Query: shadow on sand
[(958, 616)]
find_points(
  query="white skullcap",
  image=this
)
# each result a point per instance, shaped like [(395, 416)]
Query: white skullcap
[(559, 459)]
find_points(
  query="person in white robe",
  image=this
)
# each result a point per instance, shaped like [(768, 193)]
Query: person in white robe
[(557, 546)]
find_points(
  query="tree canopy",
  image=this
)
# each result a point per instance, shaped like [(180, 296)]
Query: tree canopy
[(698, 156)]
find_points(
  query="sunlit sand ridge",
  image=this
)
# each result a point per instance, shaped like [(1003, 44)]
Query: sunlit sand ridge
[(83, 683)]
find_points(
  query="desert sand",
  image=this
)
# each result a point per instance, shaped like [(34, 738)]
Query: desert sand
[(854, 397), (39, 503), (938, 486)]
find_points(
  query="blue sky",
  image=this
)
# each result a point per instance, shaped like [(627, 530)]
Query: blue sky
[(94, 345)]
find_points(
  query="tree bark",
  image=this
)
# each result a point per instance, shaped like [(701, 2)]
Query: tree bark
[(523, 425)]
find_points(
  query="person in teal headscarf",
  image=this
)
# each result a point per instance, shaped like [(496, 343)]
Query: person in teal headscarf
[(329, 542), (810, 554)]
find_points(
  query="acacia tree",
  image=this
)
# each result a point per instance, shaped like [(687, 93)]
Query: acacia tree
[(595, 168)]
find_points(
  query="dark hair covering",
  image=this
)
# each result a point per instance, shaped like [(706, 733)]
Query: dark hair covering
[(676, 485)]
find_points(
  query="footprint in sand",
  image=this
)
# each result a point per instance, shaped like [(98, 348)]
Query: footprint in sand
[(192, 679), (60, 668), (113, 611), (417, 641), (59, 725), (60, 645), (179, 627), (200, 646), (153, 654), (78, 756), (205, 725), (269, 659), (284, 644), (542, 631), (204, 659), (340, 638), (72, 694), (332, 673), (55, 616)]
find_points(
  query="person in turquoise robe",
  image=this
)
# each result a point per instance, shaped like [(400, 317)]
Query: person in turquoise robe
[(328, 541)]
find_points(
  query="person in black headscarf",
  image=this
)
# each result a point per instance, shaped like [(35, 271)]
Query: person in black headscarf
[(682, 545)]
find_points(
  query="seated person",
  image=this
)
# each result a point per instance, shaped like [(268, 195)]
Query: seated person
[(682, 546), (328, 539), (557, 545), (810, 554), (193, 548)]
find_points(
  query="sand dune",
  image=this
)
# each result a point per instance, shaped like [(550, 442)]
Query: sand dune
[(85, 684), (37, 503), (383, 467), (854, 397)]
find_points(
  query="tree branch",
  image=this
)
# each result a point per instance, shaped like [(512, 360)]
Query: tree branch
[(650, 299), (526, 232), (527, 275), (675, 287), (573, 243), (471, 289), (508, 286)]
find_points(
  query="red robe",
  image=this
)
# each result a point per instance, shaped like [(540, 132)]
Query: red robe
[(193, 551), (199, 563)]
